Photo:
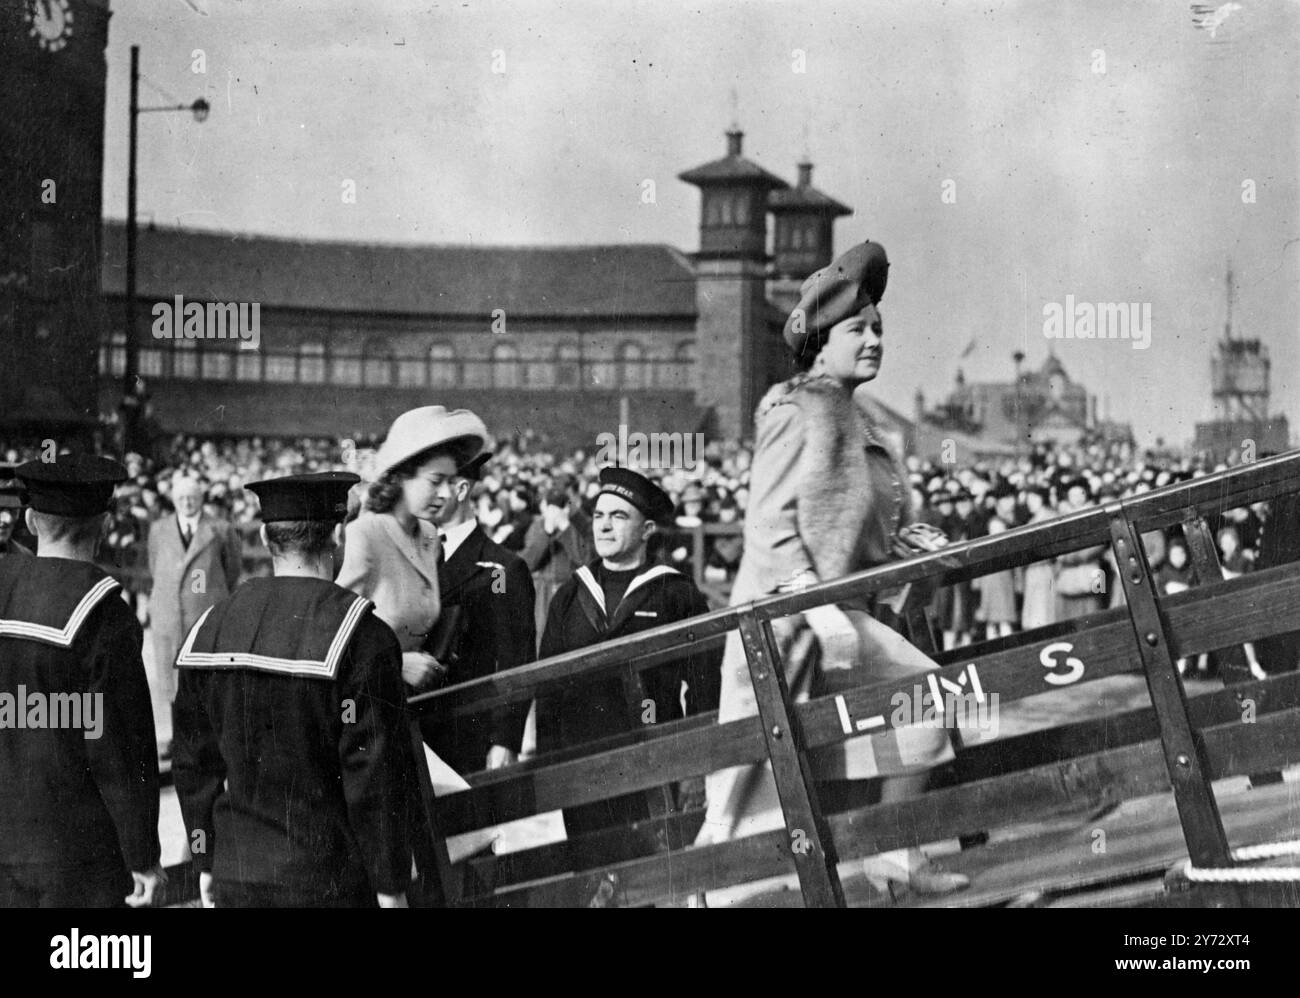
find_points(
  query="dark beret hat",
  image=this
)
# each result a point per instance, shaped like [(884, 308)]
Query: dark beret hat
[(841, 289), (322, 496), (642, 493), (74, 485)]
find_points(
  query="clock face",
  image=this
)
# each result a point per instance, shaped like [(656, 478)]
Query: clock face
[(51, 23)]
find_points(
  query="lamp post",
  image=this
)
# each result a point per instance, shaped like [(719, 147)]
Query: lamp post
[(1021, 422), (130, 374)]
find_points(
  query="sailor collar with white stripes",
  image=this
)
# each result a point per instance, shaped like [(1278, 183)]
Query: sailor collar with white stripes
[(588, 579), (61, 637), (308, 668)]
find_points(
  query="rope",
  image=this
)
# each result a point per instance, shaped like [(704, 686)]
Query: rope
[(1267, 875)]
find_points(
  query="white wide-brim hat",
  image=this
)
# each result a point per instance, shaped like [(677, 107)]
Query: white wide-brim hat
[(431, 426)]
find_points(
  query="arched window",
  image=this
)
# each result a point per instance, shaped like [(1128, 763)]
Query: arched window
[(412, 372), (280, 367), (711, 209), (248, 365), (185, 359), (345, 369), (311, 362), (685, 365), (539, 371), (505, 366), (568, 366), (796, 237), (443, 372), (742, 209), (149, 362), (216, 363), (376, 365), (632, 366), (112, 358), (725, 199)]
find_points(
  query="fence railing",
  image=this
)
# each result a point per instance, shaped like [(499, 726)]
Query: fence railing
[(1174, 744)]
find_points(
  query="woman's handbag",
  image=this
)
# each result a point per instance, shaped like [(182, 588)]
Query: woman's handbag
[(1078, 580)]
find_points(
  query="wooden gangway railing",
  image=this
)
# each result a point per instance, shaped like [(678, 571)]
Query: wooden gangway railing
[(1174, 744)]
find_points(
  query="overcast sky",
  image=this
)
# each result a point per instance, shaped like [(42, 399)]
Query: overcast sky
[(1122, 185)]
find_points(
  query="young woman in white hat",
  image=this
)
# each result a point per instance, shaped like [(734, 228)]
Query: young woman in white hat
[(391, 555)]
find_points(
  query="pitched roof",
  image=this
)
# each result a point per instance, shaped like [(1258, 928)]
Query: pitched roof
[(730, 169), (733, 168), (624, 280), (807, 198)]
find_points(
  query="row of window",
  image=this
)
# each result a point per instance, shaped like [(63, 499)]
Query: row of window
[(798, 235), (440, 368)]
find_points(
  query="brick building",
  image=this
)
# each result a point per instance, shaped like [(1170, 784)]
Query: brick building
[(563, 340)]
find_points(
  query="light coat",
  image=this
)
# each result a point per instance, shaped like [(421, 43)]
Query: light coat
[(186, 582), (397, 572), (826, 497)]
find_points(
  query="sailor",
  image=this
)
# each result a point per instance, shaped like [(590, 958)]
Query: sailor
[(618, 594), (292, 754), (78, 757)]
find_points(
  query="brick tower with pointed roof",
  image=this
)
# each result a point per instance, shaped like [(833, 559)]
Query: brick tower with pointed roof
[(805, 240), (734, 334)]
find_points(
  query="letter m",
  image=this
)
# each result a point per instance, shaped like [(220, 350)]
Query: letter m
[(222, 317), (116, 949), (1113, 319), (664, 448), (65, 710)]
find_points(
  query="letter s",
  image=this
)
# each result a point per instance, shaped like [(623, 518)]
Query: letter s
[(1075, 665)]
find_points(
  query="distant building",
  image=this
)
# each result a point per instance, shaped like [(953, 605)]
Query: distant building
[(52, 75), (990, 419), (563, 340)]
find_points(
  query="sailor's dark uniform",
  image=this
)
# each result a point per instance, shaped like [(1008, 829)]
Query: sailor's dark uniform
[(591, 710), (292, 753), (78, 758)]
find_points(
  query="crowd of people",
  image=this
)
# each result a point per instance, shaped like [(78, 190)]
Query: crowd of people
[(537, 503)]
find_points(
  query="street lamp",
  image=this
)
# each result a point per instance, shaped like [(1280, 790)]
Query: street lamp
[(130, 374), (1019, 358)]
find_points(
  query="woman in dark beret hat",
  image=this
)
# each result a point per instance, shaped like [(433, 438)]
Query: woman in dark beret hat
[(829, 497)]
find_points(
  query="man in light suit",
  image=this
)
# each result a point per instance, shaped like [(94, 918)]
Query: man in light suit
[(194, 560)]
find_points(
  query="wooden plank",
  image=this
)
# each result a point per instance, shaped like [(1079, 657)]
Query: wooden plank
[(810, 841), (607, 774), (623, 843), (1008, 755), (1044, 792), (1130, 727), (1255, 605), (1184, 754)]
